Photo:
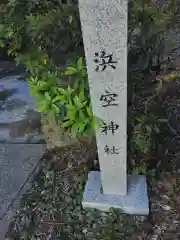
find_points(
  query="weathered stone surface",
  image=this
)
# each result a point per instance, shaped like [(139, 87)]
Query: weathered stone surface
[(55, 135), (8, 68), (3, 228), (17, 162), (104, 27), (135, 202), (19, 120)]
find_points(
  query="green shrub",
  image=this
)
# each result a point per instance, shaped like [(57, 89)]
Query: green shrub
[(71, 104), (50, 24)]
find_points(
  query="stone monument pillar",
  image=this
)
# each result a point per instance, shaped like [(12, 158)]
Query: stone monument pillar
[(104, 28)]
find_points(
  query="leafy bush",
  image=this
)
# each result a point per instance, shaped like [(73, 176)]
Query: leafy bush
[(50, 24), (71, 105), (148, 30), (149, 46)]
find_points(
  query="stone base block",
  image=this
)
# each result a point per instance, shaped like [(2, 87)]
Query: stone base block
[(135, 202)]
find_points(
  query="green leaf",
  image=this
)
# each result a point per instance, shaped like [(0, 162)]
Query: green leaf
[(70, 90), (67, 123), (89, 111), (43, 85), (71, 108), (10, 51), (82, 126), (71, 115), (76, 101), (80, 64), (41, 102), (55, 108), (62, 91), (83, 104), (81, 94), (142, 143), (33, 91), (81, 115), (71, 112), (59, 98), (70, 19), (41, 106), (47, 95), (54, 90), (33, 80), (70, 71)]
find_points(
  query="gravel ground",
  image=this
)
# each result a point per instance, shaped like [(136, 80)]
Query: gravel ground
[(54, 204), (164, 221)]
